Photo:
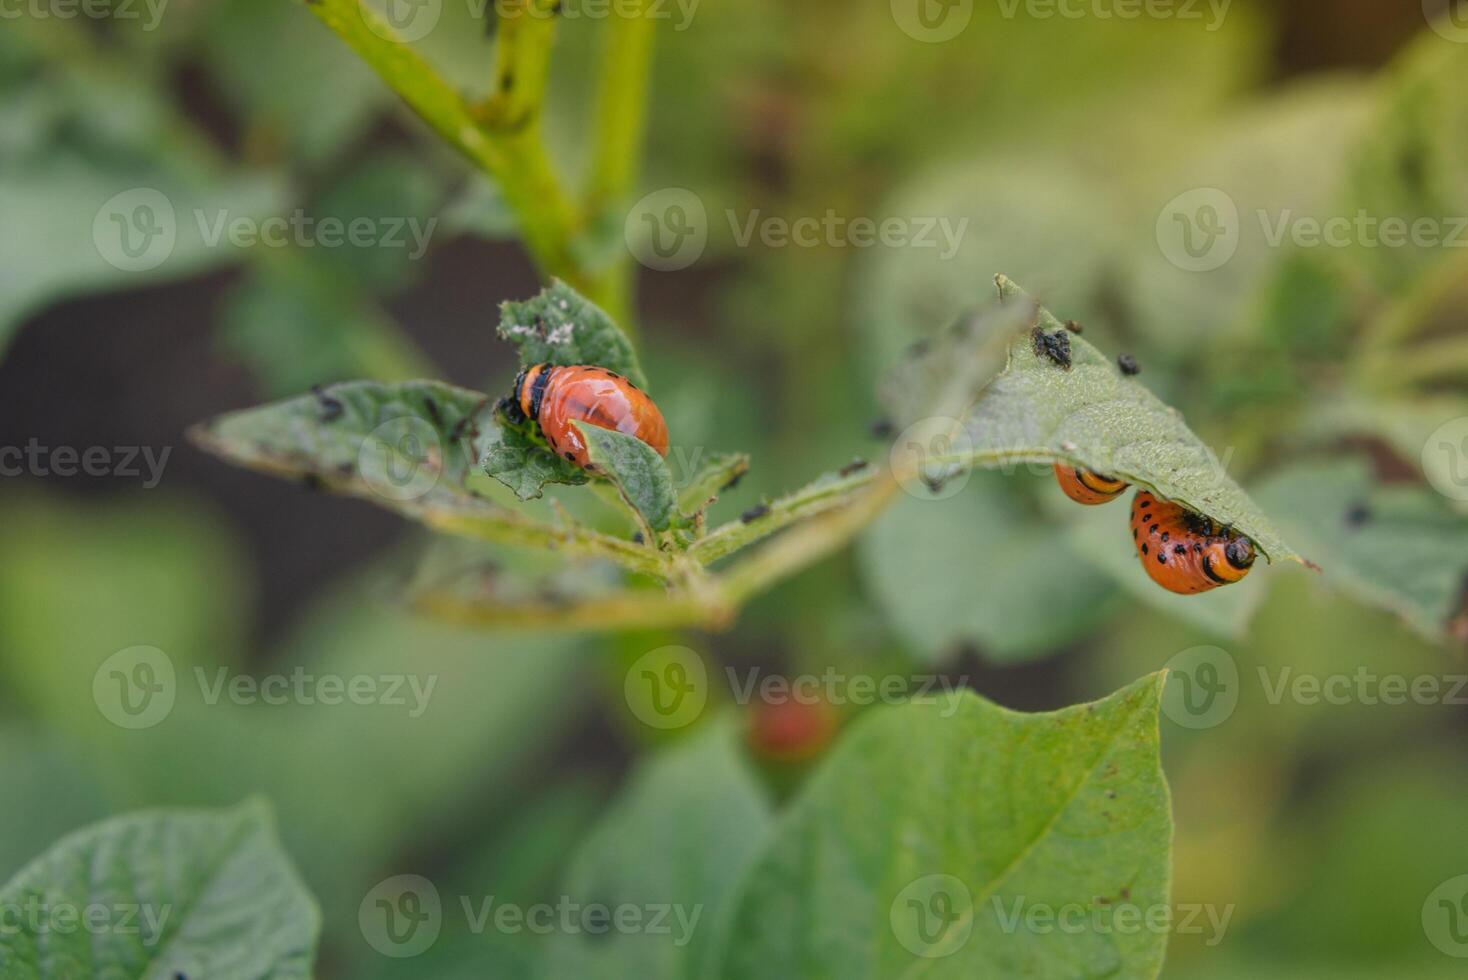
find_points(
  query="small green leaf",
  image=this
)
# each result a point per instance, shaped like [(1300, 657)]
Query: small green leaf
[(714, 475), (512, 456), (189, 893), (1394, 547), (673, 844), (940, 830), (640, 475), (562, 327), (396, 443), (1088, 414)]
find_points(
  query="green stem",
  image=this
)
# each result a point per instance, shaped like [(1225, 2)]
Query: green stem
[(622, 111), (517, 160), (810, 500), (621, 129), (527, 32)]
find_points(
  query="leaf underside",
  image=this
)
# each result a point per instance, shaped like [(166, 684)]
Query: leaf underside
[(1088, 414)]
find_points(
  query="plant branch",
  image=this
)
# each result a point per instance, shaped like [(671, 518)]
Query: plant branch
[(517, 160), (622, 110), (630, 610), (527, 32), (810, 500)]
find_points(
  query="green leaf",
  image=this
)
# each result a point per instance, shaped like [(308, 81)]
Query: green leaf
[(560, 326), (937, 829), (1090, 415), (978, 569), (1396, 547), (678, 837), (941, 376), (514, 457), (409, 447), (714, 474), (637, 471), (187, 893), (397, 442), (76, 240)]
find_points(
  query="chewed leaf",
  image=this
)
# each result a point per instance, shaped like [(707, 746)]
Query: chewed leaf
[(409, 448), (560, 326), (398, 442), (1060, 400), (511, 456), (943, 375), (637, 471)]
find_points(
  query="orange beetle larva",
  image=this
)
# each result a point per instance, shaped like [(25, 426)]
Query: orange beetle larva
[(1085, 487), (1184, 551), (554, 397)]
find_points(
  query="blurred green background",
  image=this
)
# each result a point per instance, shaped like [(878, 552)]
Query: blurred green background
[(1321, 374)]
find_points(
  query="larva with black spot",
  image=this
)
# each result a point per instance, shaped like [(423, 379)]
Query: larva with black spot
[(1184, 551)]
